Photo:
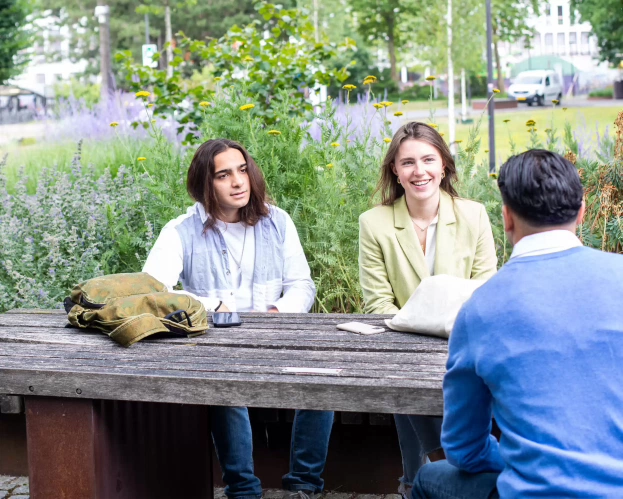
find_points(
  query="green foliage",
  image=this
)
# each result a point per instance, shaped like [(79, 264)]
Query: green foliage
[(14, 37), (86, 92), (84, 221), (277, 57), (607, 93), (606, 19)]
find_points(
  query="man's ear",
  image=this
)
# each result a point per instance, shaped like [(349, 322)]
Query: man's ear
[(581, 213), (507, 216)]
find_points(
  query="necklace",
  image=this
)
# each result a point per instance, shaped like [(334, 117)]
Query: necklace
[(244, 240), (421, 228)]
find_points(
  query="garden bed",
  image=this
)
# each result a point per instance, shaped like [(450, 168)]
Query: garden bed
[(498, 104)]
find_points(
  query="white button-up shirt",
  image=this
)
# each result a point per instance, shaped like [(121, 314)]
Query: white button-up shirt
[(542, 243)]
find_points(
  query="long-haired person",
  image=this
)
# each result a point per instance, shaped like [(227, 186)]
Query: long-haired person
[(421, 228), (234, 250)]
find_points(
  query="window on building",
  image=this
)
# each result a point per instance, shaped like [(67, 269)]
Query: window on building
[(573, 43), (561, 48), (584, 48), (549, 43), (548, 10), (537, 42), (560, 18)]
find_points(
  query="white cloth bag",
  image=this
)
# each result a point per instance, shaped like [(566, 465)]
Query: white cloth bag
[(433, 307)]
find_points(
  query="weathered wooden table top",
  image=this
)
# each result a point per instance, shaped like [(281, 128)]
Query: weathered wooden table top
[(272, 360)]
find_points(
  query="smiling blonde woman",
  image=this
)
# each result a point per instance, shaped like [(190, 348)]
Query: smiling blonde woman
[(421, 228)]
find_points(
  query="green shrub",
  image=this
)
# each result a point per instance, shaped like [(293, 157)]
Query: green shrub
[(607, 93), (80, 223)]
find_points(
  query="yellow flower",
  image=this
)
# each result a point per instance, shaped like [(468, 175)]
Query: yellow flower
[(370, 78), (204, 103), (564, 108), (330, 165), (486, 150), (405, 101), (218, 78), (114, 124), (349, 87), (378, 105), (433, 125), (496, 90), (493, 175), (248, 59), (506, 121), (273, 132), (555, 102), (387, 140), (398, 113), (387, 103), (143, 93), (153, 121), (530, 123), (246, 107), (431, 78), (141, 158), (458, 141), (335, 144), (150, 105)]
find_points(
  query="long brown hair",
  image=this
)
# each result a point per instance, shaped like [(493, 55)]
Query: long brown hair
[(388, 184), (201, 178)]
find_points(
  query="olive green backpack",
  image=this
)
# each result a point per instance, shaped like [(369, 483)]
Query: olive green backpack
[(130, 307)]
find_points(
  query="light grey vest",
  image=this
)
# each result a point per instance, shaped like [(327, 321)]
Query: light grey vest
[(206, 263)]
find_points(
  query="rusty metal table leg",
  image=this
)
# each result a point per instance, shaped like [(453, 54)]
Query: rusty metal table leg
[(91, 449)]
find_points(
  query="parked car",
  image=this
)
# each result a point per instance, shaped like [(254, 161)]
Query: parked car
[(538, 86)]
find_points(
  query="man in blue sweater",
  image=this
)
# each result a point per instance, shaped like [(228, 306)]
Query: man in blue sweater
[(539, 347)]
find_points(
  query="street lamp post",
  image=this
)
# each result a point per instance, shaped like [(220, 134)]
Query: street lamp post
[(490, 88)]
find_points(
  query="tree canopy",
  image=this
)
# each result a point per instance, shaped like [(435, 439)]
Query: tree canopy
[(14, 38), (606, 19)]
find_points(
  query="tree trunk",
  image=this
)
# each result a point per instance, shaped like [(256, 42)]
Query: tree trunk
[(168, 38), (391, 48), (498, 66)]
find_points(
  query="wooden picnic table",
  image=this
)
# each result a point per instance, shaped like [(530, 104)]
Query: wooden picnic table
[(106, 421)]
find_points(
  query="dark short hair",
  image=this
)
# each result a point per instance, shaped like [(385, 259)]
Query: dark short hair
[(541, 187), (388, 184), (201, 178)]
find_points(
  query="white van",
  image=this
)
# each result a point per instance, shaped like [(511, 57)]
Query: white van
[(538, 86)]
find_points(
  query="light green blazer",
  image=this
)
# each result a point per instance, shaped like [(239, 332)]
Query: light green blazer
[(391, 260)]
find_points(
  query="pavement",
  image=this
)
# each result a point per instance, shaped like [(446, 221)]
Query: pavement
[(16, 487)]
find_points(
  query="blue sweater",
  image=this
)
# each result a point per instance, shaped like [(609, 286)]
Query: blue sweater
[(540, 346)]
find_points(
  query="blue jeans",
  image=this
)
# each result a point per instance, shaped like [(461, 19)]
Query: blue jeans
[(417, 436), (231, 432), (441, 480)]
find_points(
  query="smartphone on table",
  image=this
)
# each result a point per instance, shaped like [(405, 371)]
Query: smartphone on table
[(226, 319)]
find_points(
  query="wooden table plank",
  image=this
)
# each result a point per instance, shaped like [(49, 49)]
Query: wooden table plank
[(247, 365)]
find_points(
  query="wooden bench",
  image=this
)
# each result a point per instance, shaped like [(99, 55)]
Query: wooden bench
[(105, 421)]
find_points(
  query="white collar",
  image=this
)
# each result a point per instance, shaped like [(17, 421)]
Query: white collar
[(198, 207), (543, 243)]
